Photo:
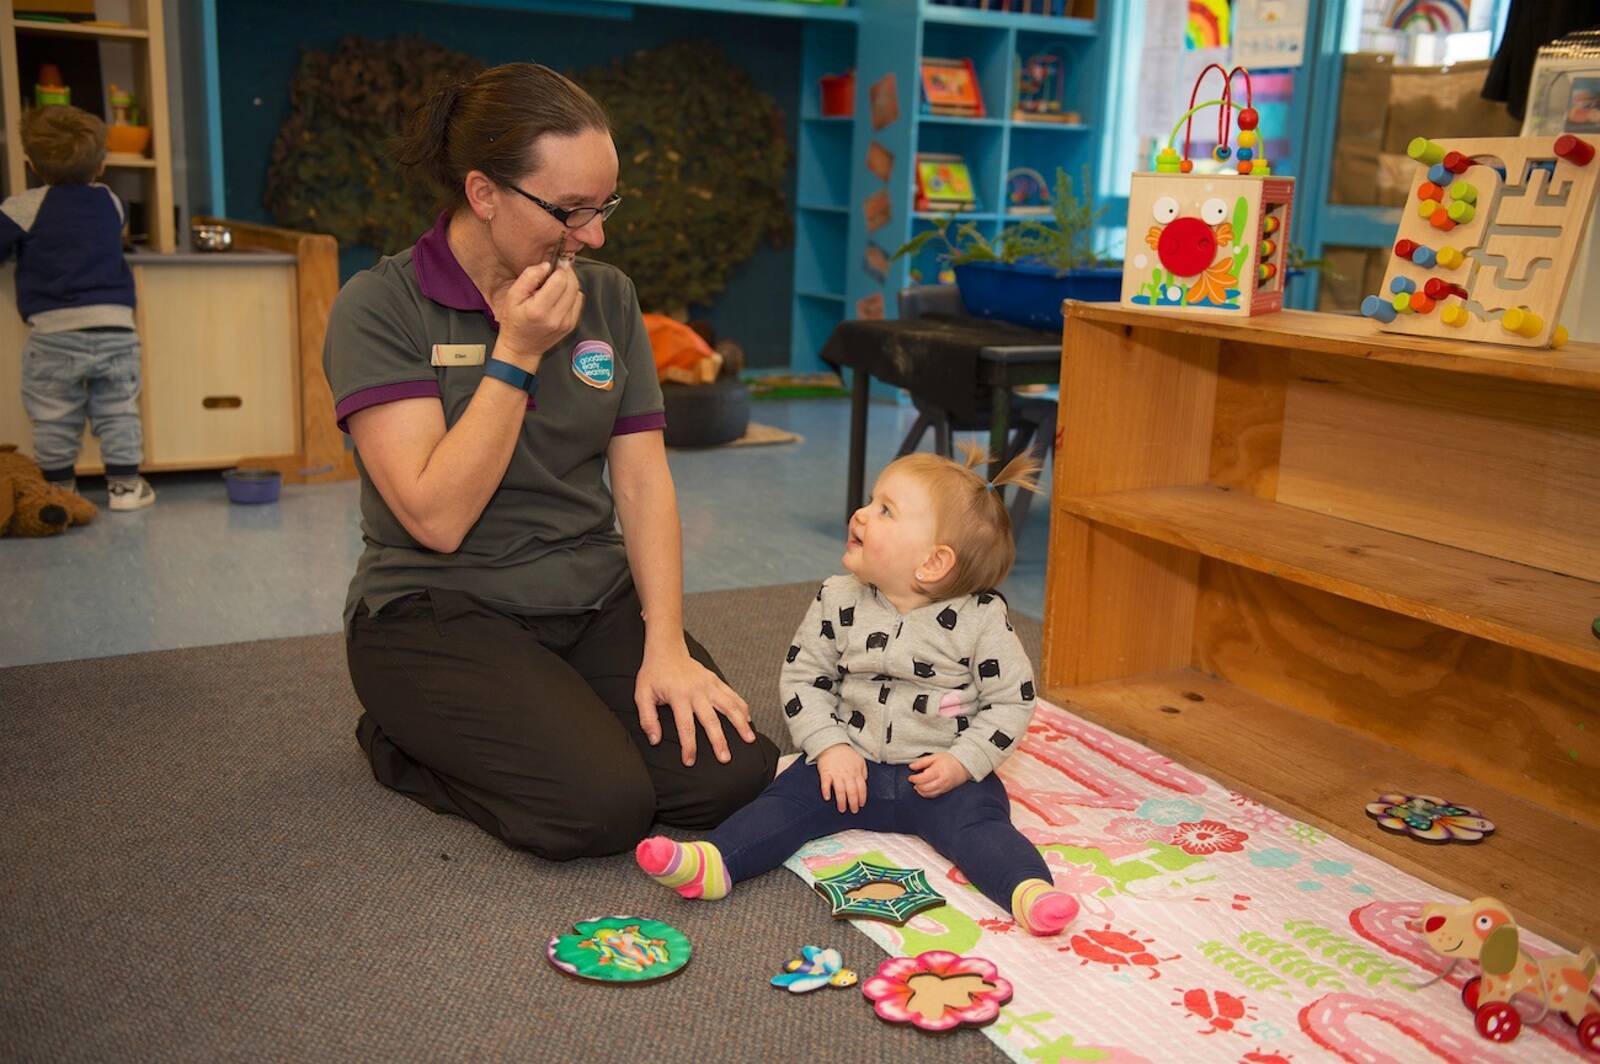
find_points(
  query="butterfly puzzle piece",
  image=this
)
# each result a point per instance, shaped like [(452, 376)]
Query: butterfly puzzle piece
[(816, 968)]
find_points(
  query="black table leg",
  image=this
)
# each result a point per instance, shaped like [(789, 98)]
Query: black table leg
[(859, 390), (999, 426)]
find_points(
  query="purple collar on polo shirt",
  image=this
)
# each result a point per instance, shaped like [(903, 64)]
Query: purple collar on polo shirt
[(440, 277)]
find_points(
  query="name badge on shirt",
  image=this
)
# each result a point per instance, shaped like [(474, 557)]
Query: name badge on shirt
[(594, 363), (458, 354)]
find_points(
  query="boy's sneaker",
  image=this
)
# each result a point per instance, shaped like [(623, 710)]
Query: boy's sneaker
[(130, 493)]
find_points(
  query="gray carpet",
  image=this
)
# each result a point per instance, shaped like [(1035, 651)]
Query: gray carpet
[(197, 865)]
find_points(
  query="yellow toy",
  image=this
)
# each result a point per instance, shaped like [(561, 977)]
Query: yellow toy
[(1213, 243), (1484, 931), (29, 506)]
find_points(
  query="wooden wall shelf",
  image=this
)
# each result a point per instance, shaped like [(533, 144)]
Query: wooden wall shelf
[(1320, 562)]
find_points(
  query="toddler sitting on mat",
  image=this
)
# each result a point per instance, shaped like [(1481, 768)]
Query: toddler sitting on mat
[(905, 688)]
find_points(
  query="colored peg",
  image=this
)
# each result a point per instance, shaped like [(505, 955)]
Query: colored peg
[(1559, 337), (1455, 315), (1456, 163), (1402, 284), (1461, 211), (1426, 208), (1402, 302), (1441, 220), (1271, 224), (1405, 248), (1464, 191), (1248, 119), (1450, 258), (1424, 257), (1522, 322), (1421, 303), (1425, 151), (1439, 175), (1430, 191), (1436, 289), (1247, 137), (1378, 307), (1246, 166), (1576, 151), (1167, 161)]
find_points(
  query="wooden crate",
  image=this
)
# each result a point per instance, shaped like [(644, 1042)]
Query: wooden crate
[(1320, 563)]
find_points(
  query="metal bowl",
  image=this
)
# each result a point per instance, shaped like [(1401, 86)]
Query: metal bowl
[(211, 237)]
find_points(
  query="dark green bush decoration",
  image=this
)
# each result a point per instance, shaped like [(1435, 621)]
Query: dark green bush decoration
[(703, 162), (703, 158), (330, 170)]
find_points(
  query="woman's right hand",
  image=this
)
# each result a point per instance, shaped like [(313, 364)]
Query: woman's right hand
[(535, 312), (844, 773)]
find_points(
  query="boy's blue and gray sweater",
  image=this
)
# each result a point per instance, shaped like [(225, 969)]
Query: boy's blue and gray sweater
[(70, 269)]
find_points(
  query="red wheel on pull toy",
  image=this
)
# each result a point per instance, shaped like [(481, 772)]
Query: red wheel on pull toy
[(1589, 1032), (1498, 1021), (1469, 992)]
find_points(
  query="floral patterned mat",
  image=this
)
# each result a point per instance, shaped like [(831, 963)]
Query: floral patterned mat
[(1213, 927)]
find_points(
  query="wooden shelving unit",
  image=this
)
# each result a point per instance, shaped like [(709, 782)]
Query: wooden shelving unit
[(145, 36), (1319, 562)]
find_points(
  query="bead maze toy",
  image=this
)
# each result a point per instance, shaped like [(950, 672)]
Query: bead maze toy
[(1487, 240), (1217, 242)]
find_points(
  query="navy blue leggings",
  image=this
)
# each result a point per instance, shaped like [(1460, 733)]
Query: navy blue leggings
[(971, 826)]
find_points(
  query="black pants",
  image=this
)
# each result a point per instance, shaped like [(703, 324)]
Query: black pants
[(527, 725)]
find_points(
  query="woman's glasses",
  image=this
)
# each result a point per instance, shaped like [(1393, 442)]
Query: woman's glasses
[(575, 217)]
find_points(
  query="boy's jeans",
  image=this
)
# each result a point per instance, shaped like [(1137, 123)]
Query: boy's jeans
[(66, 375)]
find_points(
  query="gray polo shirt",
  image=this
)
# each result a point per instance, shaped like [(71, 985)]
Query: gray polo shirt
[(547, 541)]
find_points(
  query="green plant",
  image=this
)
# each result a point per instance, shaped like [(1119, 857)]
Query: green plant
[(1066, 242)]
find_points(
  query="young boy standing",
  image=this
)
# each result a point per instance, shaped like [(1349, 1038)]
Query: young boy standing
[(75, 291)]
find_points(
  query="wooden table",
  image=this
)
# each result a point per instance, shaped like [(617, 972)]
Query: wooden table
[(1007, 357), (1320, 562)]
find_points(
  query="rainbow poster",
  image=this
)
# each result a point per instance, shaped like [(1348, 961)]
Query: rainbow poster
[(1210, 25), (1416, 16)]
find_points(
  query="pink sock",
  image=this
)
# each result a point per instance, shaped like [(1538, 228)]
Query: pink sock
[(1052, 912), (693, 869)]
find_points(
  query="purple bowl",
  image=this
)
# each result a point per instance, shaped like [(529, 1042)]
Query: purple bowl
[(249, 486)]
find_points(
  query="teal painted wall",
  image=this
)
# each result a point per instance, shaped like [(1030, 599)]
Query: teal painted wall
[(259, 44)]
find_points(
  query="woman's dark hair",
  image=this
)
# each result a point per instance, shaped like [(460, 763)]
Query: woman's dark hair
[(491, 124)]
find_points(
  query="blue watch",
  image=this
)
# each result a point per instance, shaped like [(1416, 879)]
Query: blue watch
[(501, 370)]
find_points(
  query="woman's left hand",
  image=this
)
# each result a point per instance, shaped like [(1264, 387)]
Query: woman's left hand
[(936, 774), (695, 694)]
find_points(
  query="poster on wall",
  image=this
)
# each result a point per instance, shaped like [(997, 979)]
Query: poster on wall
[(885, 99), (1269, 33), (1208, 24)]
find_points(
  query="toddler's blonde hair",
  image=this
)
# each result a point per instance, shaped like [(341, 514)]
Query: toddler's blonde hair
[(969, 515), (65, 144)]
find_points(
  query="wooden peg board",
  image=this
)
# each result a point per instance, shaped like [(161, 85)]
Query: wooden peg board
[(1518, 247)]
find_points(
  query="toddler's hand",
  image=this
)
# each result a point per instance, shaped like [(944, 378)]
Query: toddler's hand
[(844, 776), (937, 774)]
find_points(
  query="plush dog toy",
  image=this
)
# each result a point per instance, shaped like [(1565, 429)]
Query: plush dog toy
[(1484, 931), (29, 505)]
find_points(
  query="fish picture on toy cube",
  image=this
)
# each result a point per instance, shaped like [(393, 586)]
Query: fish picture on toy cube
[(1207, 243), (1488, 239)]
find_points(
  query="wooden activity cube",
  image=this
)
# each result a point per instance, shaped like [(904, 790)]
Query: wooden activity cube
[(1487, 240), (1207, 243)]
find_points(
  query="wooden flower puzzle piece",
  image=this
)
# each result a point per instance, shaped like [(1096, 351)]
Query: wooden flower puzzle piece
[(815, 969), (1484, 931), (1429, 819), (620, 950), (937, 991), (877, 892)]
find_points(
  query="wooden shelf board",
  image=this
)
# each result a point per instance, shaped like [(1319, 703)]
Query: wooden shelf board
[(1536, 610), (1541, 864), (69, 29), (129, 161), (1577, 365)]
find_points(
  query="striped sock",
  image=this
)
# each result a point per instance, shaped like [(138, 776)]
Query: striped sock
[(1041, 909), (693, 869)]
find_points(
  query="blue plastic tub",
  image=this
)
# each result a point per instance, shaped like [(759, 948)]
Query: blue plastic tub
[(1029, 294), (249, 486)]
